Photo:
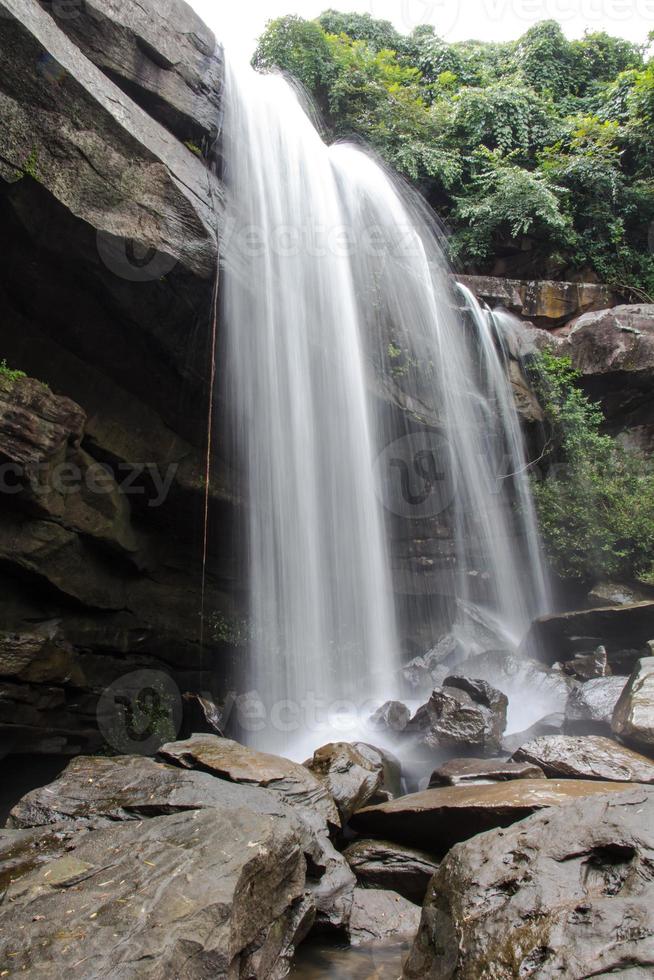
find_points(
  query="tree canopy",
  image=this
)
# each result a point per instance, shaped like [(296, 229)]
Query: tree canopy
[(538, 154)]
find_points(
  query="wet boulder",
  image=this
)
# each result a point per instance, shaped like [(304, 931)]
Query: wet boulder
[(221, 757), (355, 774), (392, 867), (131, 788), (586, 757), (222, 887), (436, 819), (393, 716), (633, 717), (590, 706), (462, 772), (382, 917), (464, 712), (587, 666), (567, 893), (99, 791)]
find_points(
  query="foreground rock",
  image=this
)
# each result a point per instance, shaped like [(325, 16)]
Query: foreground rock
[(463, 772), (588, 757), (436, 819), (225, 888), (633, 718), (590, 707), (462, 713), (391, 867), (382, 917), (293, 783), (354, 775), (565, 893), (98, 791)]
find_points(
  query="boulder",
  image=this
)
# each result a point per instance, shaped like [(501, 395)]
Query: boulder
[(633, 717), (614, 352), (97, 791), (549, 725), (588, 666), (382, 917), (590, 706), (563, 893), (291, 782), (463, 712), (351, 778), (461, 772), (586, 757), (393, 716), (618, 628), (436, 819), (160, 54), (391, 867), (223, 887), (130, 788)]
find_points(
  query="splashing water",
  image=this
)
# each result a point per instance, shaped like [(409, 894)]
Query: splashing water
[(344, 336)]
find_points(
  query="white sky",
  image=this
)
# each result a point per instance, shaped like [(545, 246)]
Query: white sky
[(238, 23)]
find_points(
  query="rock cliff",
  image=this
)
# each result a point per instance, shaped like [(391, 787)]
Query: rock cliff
[(111, 219)]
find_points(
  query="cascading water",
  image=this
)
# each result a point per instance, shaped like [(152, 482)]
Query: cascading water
[(333, 271), (321, 595)]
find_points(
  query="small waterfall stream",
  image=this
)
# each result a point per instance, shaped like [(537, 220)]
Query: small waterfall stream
[(338, 303)]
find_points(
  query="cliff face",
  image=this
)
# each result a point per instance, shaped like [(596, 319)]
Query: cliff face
[(111, 228)]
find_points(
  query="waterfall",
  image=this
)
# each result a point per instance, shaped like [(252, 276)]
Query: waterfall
[(353, 369)]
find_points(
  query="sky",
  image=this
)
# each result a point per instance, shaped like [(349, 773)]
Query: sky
[(239, 23)]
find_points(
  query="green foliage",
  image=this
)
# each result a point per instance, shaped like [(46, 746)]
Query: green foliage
[(545, 59), (596, 502), (297, 46), (540, 151), (378, 34), (504, 200), (8, 373)]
